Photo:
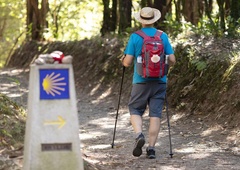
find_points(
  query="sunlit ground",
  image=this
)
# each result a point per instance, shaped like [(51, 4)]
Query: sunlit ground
[(196, 145), (194, 142)]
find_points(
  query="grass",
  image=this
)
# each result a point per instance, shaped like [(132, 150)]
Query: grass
[(2, 63), (12, 123)]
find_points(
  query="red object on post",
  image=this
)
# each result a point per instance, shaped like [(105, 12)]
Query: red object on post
[(57, 56)]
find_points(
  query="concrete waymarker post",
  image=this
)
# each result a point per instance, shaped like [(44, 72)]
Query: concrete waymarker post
[(52, 131)]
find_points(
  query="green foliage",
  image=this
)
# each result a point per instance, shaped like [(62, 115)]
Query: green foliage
[(12, 122), (206, 74), (74, 20), (205, 26), (172, 26), (67, 20), (200, 65), (12, 20), (233, 27)]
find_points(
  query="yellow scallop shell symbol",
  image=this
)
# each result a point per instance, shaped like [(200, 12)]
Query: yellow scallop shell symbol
[(52, 84)]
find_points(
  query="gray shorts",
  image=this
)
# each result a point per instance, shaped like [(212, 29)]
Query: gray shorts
[(151, 94)]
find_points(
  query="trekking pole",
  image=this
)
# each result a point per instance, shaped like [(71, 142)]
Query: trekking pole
[(119, 98), (168, 121), (169, 133)]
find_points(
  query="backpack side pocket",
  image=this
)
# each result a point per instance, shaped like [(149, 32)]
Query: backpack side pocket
[(139, 65)]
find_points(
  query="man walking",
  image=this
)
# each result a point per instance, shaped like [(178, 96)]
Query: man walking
[(146, 90)]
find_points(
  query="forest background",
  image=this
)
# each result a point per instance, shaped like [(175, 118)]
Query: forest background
[(205, 35), (52, 20)]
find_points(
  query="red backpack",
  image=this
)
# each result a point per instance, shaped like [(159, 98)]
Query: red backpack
[(151, 62)]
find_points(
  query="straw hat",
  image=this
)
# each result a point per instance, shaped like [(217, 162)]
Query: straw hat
[(148, 15)]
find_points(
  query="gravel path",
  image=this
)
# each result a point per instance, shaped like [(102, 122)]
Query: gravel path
[(198, 143)]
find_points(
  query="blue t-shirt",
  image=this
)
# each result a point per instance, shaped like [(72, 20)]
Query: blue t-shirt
[(134, 48)]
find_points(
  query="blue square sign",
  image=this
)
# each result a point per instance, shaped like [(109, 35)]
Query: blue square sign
[(54, 84)]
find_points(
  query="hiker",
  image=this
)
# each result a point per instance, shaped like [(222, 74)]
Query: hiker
[(146, 90)]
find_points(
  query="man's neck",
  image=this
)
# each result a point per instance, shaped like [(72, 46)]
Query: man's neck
[(147, 25)]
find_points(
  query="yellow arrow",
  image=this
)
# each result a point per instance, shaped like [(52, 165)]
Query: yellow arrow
[(61, 122)]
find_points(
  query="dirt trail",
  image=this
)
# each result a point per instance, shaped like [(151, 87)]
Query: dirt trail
[(198, 143)]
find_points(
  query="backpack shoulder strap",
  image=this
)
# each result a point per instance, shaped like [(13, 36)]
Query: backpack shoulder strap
[(141, 34), (158, 33)]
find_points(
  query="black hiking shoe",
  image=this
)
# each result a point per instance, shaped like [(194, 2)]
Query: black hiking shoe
[(140, 141), (151, 153)]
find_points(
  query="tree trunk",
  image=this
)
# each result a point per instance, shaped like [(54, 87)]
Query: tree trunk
[(208, 11), (200, 9), (221, 13), (228, 7), (114, 16), (106, 17), (125, 9), (146, 3), (36, 19), (235, 12), (164, 6), (44, 11), (177, 4), (3, 25), (109, 17), (191, 10)]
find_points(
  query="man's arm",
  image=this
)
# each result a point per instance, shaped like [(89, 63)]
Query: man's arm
[(171, 59), (127, 60)]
